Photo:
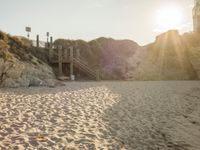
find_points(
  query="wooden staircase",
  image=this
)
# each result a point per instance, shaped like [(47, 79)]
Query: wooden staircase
[(85, 68), (62, 56)]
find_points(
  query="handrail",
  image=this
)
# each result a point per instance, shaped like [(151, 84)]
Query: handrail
[(85, 67), (81, 64), (90, 69), (78, 61)]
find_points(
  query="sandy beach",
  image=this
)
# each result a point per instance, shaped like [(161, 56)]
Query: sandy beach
[(102, 116)]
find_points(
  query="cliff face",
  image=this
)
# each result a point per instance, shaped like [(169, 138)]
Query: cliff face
[(168, 58), (111, 56), (117, 57), (171, 57), (195, 59), (19, 67)]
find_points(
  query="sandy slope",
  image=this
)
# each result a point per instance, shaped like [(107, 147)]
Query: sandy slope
[(104, 115)]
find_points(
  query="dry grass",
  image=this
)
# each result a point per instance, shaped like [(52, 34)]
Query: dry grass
[(4, 53), (18, 48)]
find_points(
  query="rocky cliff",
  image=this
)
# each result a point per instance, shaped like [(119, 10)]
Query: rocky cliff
[(171, 57), (112, 57), (19, 67)]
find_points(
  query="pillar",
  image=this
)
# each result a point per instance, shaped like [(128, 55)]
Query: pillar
[(60, 60), (66, 55), (51, 49), (51, 42), (77, 53), (78, 57), (71, 62), (37, 41)]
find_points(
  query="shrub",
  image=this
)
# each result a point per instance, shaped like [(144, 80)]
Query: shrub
[(4, 53), (3, 36)]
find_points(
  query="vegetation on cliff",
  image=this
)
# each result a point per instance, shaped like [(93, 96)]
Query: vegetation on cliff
[(19, 67), (171, 57), (112, 57)]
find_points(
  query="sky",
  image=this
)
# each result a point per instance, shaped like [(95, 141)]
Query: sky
[(136, 20)]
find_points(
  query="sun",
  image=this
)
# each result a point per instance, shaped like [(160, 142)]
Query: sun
[(169, 17)]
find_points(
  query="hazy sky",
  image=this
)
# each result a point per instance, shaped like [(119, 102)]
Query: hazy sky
[(89, 19)]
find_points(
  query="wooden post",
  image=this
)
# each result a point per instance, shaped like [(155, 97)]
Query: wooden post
[(71, 62), (50, 54), (51, 41), (66, 55), (51, 50), (60, 60), (37, 41), (77, 53), (78, 57)]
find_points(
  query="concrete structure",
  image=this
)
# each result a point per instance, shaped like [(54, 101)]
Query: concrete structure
[(196, 16)]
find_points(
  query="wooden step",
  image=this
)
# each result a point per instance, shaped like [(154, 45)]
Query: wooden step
[(86, 68)]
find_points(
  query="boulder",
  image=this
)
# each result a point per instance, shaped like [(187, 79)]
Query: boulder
[(23, 82), (18, 65), (11, 83), (34, 81), (15, 71), (51, 82)]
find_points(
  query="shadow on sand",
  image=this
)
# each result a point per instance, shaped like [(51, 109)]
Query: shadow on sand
[(155, 116)]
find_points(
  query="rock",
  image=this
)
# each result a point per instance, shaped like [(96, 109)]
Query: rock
[(194, 55), (34, 81), (7, 65), (11, 83), (51, 83), (22, 74), (24, 82), (15, 72), (18, 65)]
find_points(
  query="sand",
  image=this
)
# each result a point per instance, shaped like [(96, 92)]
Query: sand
[(102, 115)]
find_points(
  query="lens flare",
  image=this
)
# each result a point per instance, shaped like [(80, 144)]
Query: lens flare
[(170, 17)]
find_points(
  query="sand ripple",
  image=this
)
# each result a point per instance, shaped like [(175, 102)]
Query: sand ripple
[(104, 115)]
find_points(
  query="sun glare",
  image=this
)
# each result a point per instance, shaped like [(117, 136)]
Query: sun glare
[(169, 18)]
